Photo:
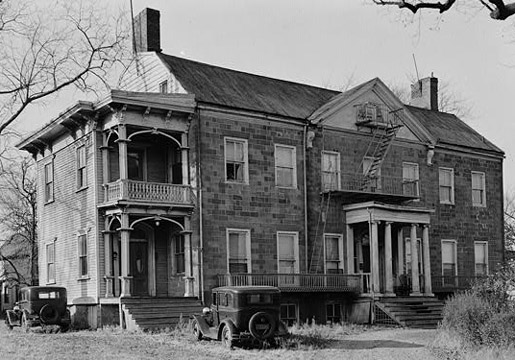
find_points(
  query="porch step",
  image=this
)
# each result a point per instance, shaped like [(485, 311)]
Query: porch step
[(158, 313), (418, 312)]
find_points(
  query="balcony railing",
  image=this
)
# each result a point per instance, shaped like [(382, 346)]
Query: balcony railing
[(298, 282), (141, 191), (386, 185)]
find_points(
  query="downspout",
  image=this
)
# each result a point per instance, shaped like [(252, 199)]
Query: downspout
[(305, 198), (199, 199)]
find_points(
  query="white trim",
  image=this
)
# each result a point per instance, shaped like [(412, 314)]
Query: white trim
[(485, 244), (48, 279), (341, 260), (483, 184), (295, 235), (451, 170), (337, 171), (294, 165), (86, 275), (450, 241), (247, 245), (245, 160)]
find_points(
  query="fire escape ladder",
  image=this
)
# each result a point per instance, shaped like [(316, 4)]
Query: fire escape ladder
[(317, 250)]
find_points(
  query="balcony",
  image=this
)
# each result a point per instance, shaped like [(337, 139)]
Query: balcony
[(132, 191), (299, 282), (386, 188)]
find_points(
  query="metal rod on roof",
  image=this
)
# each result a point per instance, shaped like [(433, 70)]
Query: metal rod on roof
[(416, 69), (132, 28)]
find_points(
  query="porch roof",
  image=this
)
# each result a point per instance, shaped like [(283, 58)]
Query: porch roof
[(373, 210)]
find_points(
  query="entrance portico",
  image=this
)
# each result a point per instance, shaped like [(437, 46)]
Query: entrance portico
[(391, 242)]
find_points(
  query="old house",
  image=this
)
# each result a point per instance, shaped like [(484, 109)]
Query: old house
[(196, 176)]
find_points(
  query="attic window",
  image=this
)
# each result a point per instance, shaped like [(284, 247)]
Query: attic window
[(163, 87), (368, 112)]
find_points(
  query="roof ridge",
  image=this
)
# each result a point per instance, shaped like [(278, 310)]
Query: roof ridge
[(250, 74)]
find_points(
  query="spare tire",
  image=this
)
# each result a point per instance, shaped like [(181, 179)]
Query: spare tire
[(48, 314), (262, 325)]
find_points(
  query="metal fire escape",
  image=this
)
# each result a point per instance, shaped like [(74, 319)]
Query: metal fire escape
[(383, 125)]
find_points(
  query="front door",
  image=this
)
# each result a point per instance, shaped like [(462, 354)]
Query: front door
[(139, 267)]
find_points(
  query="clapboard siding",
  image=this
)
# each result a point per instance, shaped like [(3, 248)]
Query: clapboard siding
[(146, 74), (73, 210)]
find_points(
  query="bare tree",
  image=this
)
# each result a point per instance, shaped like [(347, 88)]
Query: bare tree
[(499, 9), (509, 221), (50, 45), (18, 222)]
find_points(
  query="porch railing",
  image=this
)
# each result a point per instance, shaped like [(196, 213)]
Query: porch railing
[(132, 190), (387, 185), (297, 282), (453, 283)]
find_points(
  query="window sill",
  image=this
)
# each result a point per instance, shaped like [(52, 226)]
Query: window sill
[(286, 187), (236, 182), (49, 202), (52, 282), (81, 189), (84, 278), (481, 206), (446, 203)]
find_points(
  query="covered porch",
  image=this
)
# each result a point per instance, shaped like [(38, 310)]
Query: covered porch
[(391, 243)]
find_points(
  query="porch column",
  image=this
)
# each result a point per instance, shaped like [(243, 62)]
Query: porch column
[(125, 235), (122, 149), (388, 261), (184, 159), (105, 165), (374, 256), (350, 250), (188, 259), (427, 262), (415, 281), (108, 257), (400, 253)]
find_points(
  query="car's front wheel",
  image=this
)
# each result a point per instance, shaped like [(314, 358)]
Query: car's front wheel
[(227, 337), (196, 330)]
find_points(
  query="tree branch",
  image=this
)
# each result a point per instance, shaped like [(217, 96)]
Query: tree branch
[(414, 7)]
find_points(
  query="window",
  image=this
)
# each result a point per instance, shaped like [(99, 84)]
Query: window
[(50, 263), (478, 189), (135, 164), (334, 313), (446, 182), (178, 253), (330, 170), (288, 250), (285, 166), (289, 313), (236, 160), (481, 257), (410, 183), (333, 247), (163, 87), (83, 255), (81, 167), (49, 182), (238, 254), (449, 268)]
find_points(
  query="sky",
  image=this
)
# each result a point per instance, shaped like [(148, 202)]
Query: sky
[(334, 43)]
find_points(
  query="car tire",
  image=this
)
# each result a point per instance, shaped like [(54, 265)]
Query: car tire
[(24, 323), (227, 337), (48, 314), (196, 330), (259, 319)]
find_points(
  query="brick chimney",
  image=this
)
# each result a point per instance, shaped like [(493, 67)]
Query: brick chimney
[(147, 31), (424, 93)]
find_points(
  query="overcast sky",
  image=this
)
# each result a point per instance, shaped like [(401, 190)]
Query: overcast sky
[(331, 42)]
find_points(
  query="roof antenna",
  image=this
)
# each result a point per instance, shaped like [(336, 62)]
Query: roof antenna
[(416, 71), (132, 28)]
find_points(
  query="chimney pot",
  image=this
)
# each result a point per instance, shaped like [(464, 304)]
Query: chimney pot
[(147, 31), (424, 93)]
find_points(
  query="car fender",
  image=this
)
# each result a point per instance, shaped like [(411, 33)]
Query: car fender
[(224, 323), (204, 326), (13, 317)]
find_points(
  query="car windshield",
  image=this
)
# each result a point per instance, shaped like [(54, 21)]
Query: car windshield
[(253, 299)]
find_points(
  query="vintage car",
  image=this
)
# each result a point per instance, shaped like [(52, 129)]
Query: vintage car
[(43, 306), (241, 314)]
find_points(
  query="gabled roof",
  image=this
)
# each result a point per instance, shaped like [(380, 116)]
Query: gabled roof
[(448, 129), (226, 87)]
